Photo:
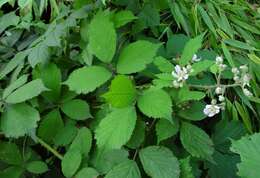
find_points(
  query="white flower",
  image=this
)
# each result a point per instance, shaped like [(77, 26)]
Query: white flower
[(219, 60), (244, 68), (246, 80), (236, 78), (247, 92), (176, 84), (211, 109), (221, 98), (222, 66), (195, 58), (218, 90), (235, 70), (180, 73)]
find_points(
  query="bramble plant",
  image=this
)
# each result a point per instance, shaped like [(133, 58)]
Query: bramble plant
[(136, 89)]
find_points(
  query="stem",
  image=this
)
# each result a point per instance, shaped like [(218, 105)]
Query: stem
[(214, 86), (49, 148)]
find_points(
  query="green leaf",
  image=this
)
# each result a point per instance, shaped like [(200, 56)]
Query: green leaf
[(50, 125), (65, 135), (163, 64), (10, 154), (238, 44), (254, 58), (138, 135), (12, 172), (196, 141), (39, 54), (186, 95), (123, 17), (16, 84), (159, 162), (149, 16), (27, 91), (136, 56), (194, 112), (76, 109), (71, 162), (186, 169), (191, 47), (248, 148), (156, 103), (19, 119), (166, 129), (122, 92), (127, 169), (102, 37), (116, 128), (82, 141), (9, 19), (207, 19), (51, 77), (201, 67), (37, 167), (94, 75), (87, 172)]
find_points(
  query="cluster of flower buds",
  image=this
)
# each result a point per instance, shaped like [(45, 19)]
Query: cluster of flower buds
[(241, 76), (219, 62), (180, 75)]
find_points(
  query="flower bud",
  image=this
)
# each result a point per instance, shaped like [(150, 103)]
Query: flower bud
[(247, 92), (218, 90), (244, 68), (235, 70), (219, 60), (221, 98), (213, 101)]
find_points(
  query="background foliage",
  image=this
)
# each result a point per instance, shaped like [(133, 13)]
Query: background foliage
[(86, 89)]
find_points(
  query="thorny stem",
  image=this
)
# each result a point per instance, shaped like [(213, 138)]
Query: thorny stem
[(49, 148)]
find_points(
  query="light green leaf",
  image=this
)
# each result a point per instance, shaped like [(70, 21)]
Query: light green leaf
[(16, 84), (50, 125), (24, 3), (10, 154), (186, 95), (207, 19), (166, 129), (39, 54), (82, 141), (159, 162), (123, 17), (87, 172), (196, 141), (194, 112), (102, 37), (201, 66), (254, 58), (125, 169), (26, 92), (191, 47), (76, 109), (37, 167), (186, 169), (156, 103), (163, 64), (136, 56), (248, 148), (9, 19), (87, 79), (116, 128), (238, 44), (122, 92), (19, 119), (71, 162)]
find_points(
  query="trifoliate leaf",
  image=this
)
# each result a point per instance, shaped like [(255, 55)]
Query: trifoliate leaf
[(87, 172), (10, 154), (50, 125), (102, 37), (27, 91), (19, 119), (159, 162), (165, 129), (76, 109), (127, 169), (191, 47), (123, 17), (136, 56), (51, 77), (156, 103), (196, 141), (248, 148), (122, 92), (116, 128), (87, 79), (71, 162), (82, 141), (37, 167)]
